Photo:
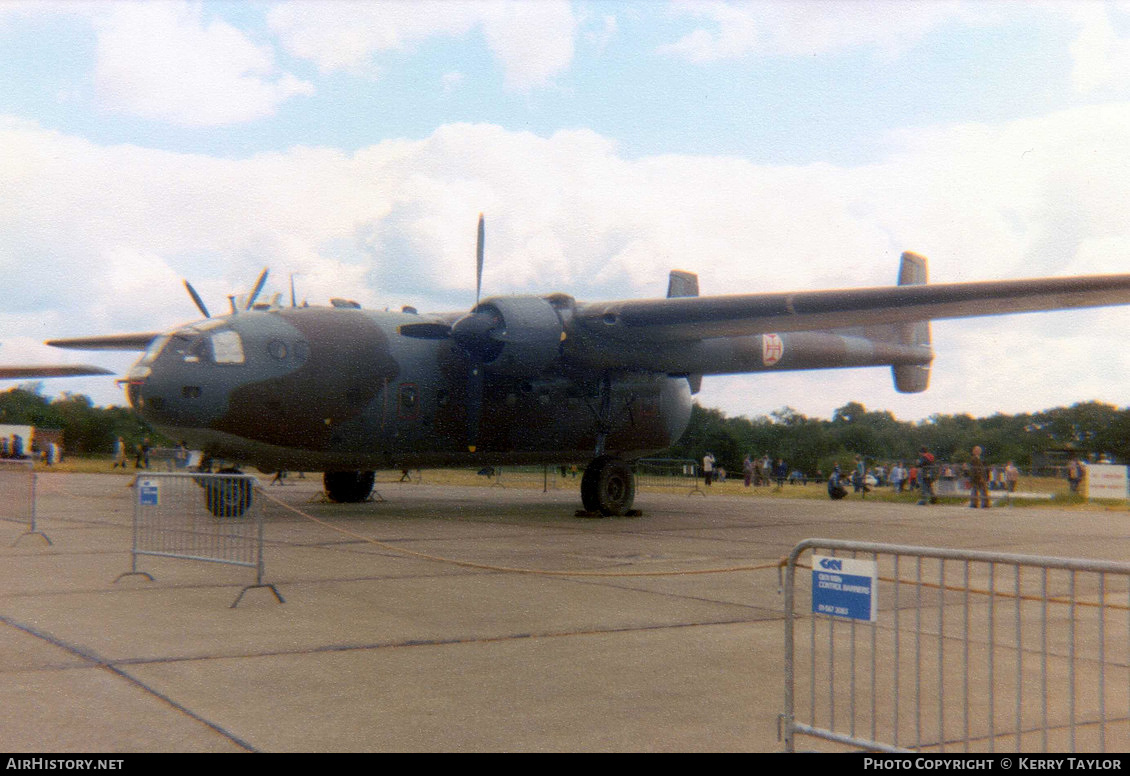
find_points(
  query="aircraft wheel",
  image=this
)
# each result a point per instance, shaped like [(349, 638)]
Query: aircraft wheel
[(608, 486), (227, 496), (349, 487)]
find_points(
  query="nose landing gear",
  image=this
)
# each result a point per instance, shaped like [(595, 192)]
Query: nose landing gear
[(349, 487), (228, 496)]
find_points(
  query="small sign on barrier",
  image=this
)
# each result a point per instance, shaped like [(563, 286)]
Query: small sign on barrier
[(845, 587), (148, 493)]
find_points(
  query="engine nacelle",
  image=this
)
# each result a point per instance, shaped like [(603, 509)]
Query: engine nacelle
[(528, 332)]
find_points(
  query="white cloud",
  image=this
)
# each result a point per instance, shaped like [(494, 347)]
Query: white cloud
[(1101, 55), (532, 41), (602, 33), (770, 27), (166, 61), (452, 80), (95, 238)]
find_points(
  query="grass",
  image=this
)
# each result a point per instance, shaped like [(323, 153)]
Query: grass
[(533, 477)]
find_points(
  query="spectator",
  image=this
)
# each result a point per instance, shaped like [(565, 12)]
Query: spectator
[(1011, 476), (926, 477), (978, 480)]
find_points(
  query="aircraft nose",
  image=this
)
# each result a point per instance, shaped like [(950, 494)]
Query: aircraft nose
[(134, 381), (163, 393)]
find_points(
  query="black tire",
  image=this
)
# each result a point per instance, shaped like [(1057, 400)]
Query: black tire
[(227, 496), (608, 486), (349, 487)]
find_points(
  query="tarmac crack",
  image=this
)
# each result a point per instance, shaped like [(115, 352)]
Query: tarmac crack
[(413, 643), (113, 667)]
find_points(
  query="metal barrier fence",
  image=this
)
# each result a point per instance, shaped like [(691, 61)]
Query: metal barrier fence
[(546, 478), (204, 517), (668, 473), (960, 651), (17, 495), (170, 459)]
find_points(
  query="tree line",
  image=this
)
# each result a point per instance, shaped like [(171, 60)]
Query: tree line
[(87, 430), (809, 444), (1088, 429)]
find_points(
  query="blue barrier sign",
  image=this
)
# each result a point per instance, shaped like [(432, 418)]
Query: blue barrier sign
[(845, 587), (148, 494)]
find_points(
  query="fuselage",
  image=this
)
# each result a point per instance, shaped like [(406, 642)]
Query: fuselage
[(317, 388)]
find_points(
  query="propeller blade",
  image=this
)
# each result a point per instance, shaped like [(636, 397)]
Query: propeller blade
[(196, 298), (474, 405), (428, 331), (479, 248), (258, 287)]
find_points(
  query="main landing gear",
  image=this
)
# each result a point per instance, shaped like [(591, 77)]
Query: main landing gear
[(227, 496), (349, 487), (608, 487)]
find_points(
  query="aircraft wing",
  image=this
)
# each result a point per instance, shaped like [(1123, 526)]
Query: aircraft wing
[(137, 341), (697, 318), (60, 370)]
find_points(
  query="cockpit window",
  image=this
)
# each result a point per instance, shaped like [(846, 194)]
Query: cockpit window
[(154, 350), (227, 348), (197, 351)]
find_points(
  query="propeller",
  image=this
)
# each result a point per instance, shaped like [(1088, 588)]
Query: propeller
[(478, 335), (196, 299), (258, 287), (259, 283), (479, 248), (472, 333)]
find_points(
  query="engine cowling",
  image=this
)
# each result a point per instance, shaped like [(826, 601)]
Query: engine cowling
[(513, 335)]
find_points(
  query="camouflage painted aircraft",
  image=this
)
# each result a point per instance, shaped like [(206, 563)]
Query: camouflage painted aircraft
[(525, 379)]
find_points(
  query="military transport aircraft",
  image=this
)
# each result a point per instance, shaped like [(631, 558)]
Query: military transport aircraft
[(524, 379)]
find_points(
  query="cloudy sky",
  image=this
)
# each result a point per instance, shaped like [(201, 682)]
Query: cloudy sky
[(764, 145)]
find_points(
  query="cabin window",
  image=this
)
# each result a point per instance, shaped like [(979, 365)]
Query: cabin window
[(300, 351), (277, 348), (227, 347)]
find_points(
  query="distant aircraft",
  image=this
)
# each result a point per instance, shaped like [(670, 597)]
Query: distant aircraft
[(524, 379)]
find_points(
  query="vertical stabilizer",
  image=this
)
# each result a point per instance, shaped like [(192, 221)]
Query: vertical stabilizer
[(680, 283), (913, 271)]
